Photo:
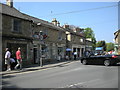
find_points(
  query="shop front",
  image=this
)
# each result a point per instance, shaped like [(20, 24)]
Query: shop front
[(26, 50), (78, 51)]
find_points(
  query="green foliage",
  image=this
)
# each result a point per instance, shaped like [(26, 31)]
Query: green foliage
[(90, 34), (110, 46), (101, 44)]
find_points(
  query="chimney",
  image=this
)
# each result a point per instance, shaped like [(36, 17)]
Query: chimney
[(58, 23), (9, 3), (66, 26), (54, 21)]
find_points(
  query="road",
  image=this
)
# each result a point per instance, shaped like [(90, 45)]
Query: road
[(70, 75)]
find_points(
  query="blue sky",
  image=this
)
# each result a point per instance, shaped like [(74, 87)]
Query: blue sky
[(104, 21)]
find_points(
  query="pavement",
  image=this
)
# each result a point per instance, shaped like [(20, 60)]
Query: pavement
[(36, 67)]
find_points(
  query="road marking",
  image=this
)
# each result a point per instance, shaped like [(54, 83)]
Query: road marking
[(103, 83), (90, 84), (76, 69), (81, 83)]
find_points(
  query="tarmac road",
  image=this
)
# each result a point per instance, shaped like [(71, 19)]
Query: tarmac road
[(66, 75)]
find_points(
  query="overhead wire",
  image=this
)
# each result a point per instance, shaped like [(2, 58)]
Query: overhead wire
[(83, 10), (102, 22)]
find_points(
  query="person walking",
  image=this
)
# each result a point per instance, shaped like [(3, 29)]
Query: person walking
[(7, 59), (75, 55), (19, 59)]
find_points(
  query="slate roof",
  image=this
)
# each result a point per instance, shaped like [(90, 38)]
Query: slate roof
[(16, 13), (11, 11)]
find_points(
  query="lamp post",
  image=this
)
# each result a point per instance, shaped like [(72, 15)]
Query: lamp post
[(41, 39)]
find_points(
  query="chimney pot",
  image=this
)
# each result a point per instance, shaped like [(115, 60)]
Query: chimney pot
[(66, 26), (54, 21), (9, 3), (58, 23)]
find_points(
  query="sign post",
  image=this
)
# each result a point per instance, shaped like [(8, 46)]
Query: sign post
[(41, 40)]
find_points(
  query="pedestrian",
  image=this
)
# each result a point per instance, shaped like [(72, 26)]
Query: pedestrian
[(7, 59), (59, 57), (75, 55), (67, 57), (19, 59), (12, 60), (111, 52), (12, 63)]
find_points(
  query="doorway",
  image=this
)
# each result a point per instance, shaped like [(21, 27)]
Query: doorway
[(35, 55)]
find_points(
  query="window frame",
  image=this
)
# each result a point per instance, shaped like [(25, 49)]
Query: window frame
[(16, 25)]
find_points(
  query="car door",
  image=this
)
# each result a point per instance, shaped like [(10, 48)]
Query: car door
[(92, 59), (100, 59)]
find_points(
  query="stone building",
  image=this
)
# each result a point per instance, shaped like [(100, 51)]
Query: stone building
[(53, 42), (75, 41), (21, 30), (16, 32), (117, 41), (38, 38), (89, 46)]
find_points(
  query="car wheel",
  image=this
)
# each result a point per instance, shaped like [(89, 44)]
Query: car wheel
[(106, 62), (84, 62)]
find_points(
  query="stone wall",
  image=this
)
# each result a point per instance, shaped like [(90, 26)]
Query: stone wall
[(13, 40)]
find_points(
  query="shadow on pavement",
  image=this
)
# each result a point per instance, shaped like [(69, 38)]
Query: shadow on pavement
[(8, 76), (32, 68), (6, 85)]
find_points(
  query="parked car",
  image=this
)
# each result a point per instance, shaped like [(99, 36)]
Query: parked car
[(107, 60)]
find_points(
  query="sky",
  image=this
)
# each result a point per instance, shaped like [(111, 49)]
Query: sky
[(101, 17)]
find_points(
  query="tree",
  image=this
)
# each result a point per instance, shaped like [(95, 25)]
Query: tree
[(110, 46), (90, 34), (101, 44)]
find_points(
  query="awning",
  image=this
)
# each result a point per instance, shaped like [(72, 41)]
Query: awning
[(68, 49), (116, 45), (99, 48)]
